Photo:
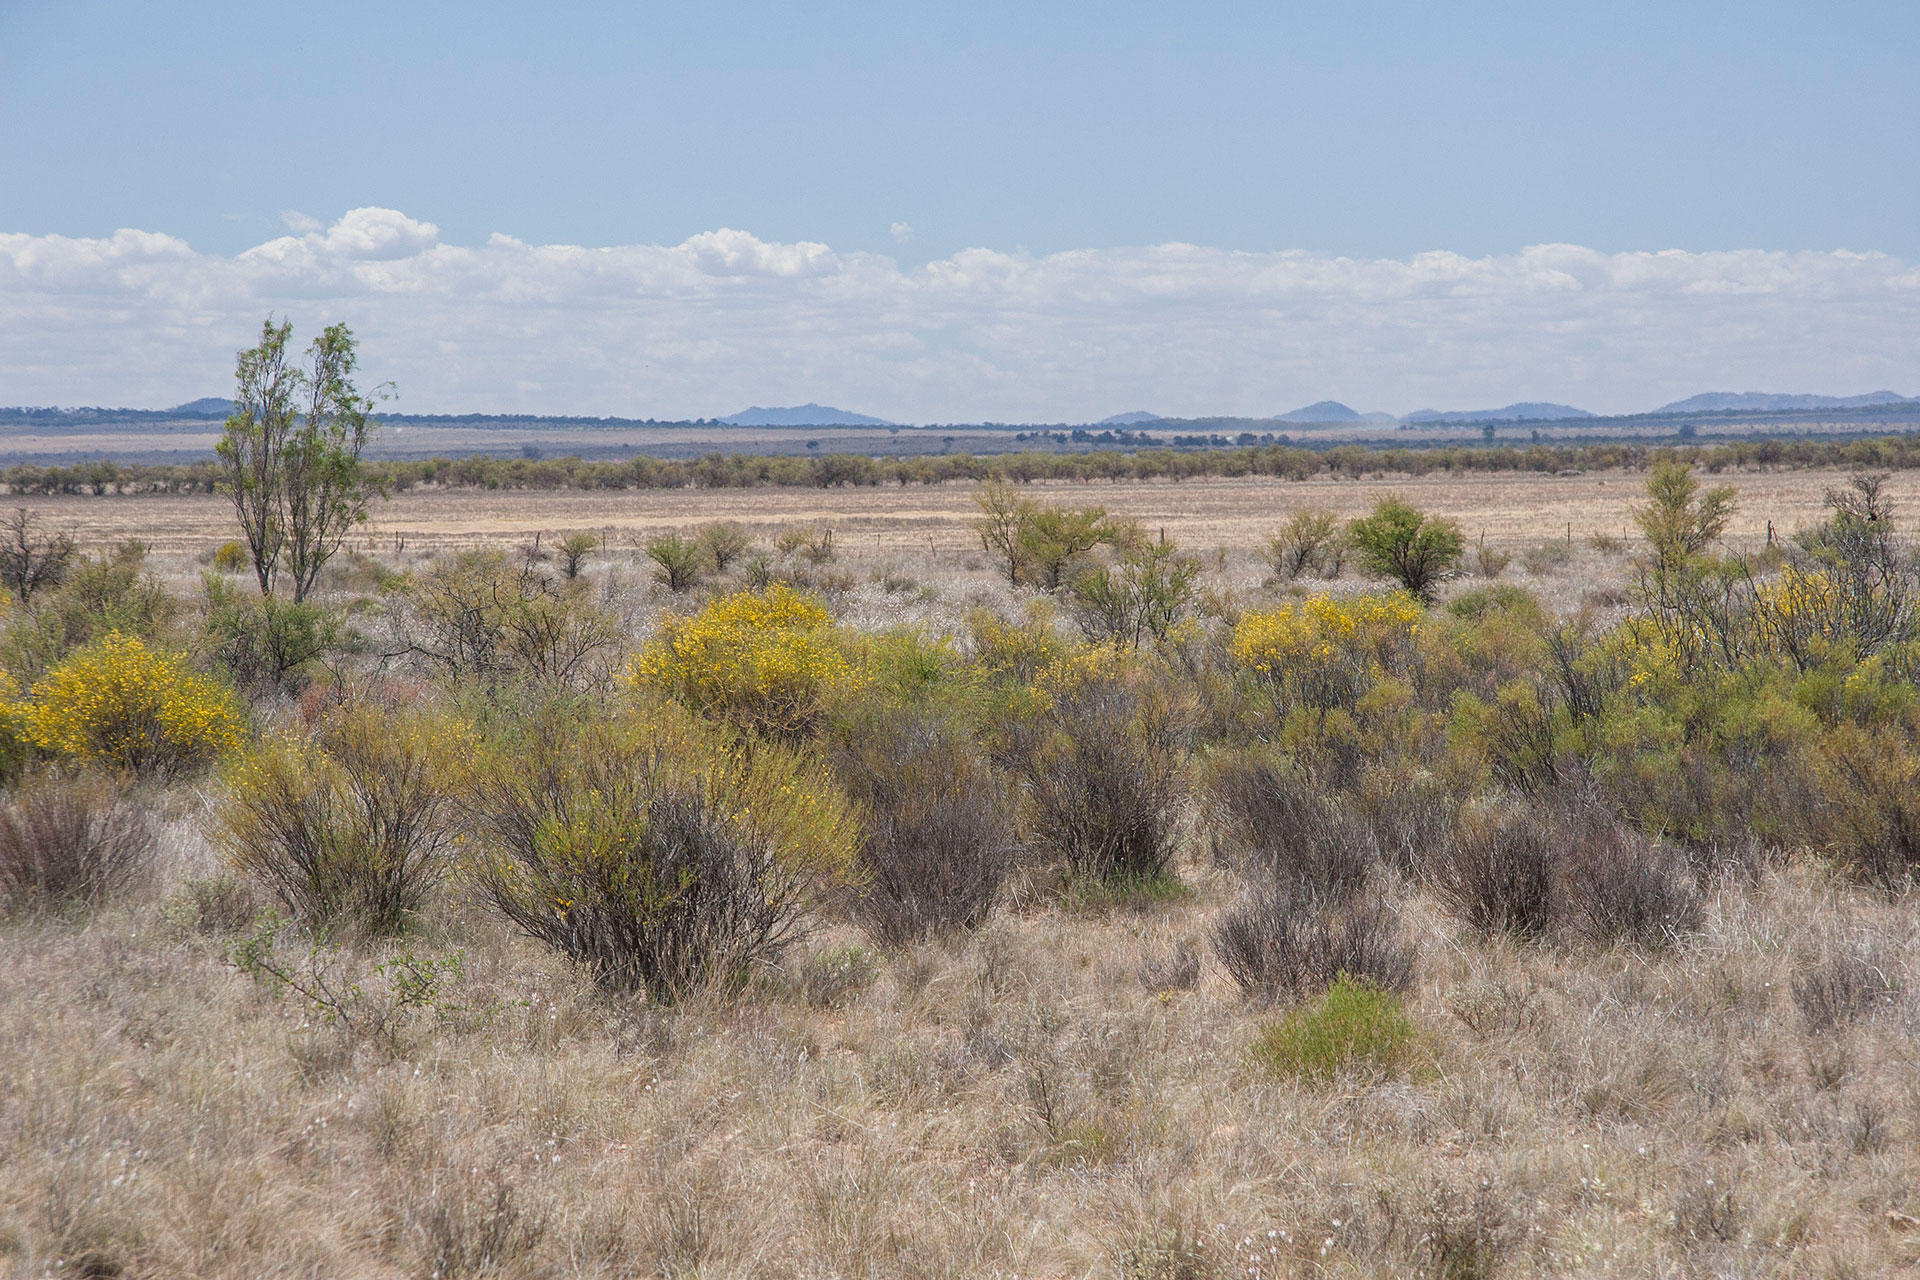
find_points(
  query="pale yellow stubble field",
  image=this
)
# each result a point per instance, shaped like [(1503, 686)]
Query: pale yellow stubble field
[(1511, 510)]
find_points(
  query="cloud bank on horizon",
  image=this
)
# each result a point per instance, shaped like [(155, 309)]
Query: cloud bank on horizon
[(725, 319)]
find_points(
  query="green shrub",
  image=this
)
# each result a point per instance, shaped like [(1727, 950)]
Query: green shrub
[(723, 543), (1407, 546), (100, 596), (573, 551), (678, 562), (1140, 599), (1309, 542), (354, 830), (1053, 540), (264, 642), (652, 851), (1355, 1027), (232, 557)]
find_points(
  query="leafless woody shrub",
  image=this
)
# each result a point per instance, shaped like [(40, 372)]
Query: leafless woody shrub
[(68, 841), (1106, 778), (1285, 940), (1498, 875), (941, 831), (1280, 825)]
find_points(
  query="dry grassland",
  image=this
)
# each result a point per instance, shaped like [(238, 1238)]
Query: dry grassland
[(1066, 1093), (1512, 510), (1036, 1101)]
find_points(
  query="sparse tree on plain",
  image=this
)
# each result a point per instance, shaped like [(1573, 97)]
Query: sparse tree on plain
[(574, 550), (29, 562), (291, 455), (1415, 549)]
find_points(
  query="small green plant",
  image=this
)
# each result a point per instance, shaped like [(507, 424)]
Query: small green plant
[(679, 562), (1490, 562), (232, 557), (723, 544), (264, 642), (813, 543), (1053, 541), (1408, 546), (1355, 1026), (1678, 519), (829, 977), (375, 1009), (574, 550), (1143, 598), (1309, 542)]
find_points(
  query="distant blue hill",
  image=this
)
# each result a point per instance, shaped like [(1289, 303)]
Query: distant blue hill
[(1762, 402), (1133, 419), (1323, 411), (803, 415), (1527, 411), (204, 407)]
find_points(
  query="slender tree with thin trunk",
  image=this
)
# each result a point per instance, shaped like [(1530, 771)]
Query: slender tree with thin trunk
[(292, 453), (250, 451), (327, 490)]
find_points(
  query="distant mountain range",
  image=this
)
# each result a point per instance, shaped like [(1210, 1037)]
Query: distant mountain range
[(1323, 411), (802, 415), (1526, 411), (1762, 402)]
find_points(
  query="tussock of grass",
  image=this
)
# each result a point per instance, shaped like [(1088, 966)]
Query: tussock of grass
[(1355, 1027)]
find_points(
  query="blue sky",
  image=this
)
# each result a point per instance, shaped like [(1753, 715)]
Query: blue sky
[(1372, 132)]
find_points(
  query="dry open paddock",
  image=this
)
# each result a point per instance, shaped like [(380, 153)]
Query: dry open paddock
[(1511, 510)]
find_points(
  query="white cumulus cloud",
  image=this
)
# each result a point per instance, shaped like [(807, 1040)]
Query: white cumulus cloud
[(726, 319)]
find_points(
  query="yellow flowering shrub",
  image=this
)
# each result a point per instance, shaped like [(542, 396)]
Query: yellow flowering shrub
[(765, 661), (1327, 650), (119, 703), (1014, 651)]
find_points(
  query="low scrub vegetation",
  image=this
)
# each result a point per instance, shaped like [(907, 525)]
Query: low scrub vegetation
[(70, 841), (732, 902)]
